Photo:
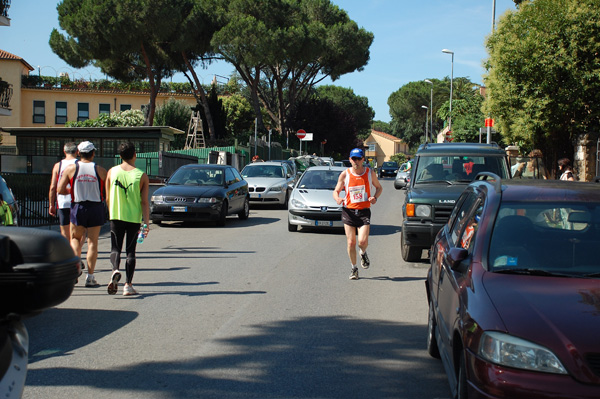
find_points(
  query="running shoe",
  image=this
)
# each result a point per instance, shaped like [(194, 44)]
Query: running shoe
[(113, 286), (364, 260), (90, 281), (354, 274), (129, 290)]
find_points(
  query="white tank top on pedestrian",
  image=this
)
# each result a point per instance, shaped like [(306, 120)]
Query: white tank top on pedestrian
[(86, 183), (64, 200)]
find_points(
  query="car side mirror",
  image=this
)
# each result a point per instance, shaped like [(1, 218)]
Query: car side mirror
[(455, 258)]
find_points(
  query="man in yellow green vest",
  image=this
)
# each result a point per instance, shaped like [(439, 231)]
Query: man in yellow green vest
[(127, 202)]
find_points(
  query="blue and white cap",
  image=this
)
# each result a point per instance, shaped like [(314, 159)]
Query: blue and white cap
[(357, 152)]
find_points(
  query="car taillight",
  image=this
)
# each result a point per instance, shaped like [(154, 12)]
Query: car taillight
[(410, 210)]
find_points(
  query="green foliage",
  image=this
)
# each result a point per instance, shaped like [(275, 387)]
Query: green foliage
[(174, 113), (123, 37), (467, 117), (543, 74), (293, 44), (327, 121), (381, 126), (400, 158), (132, 117), (409, 116), (357, 106), (239, 117)]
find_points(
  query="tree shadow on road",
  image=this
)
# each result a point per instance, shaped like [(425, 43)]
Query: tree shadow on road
[(310, 357)]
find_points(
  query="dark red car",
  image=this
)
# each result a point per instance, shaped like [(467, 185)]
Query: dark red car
[(514, 290)]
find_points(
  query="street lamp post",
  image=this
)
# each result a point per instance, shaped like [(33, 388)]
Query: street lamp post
[(426, 118), (431, 108), (451, 84)]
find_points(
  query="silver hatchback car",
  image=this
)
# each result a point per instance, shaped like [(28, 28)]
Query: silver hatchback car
[(311, 203), (402, 177)]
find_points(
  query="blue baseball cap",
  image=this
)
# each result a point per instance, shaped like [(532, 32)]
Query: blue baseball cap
[(357, 152)]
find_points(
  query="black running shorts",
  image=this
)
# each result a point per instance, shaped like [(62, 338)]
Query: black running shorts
[(64, 216), (88, 214), (356, 217)]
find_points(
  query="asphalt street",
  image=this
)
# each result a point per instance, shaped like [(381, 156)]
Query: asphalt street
[(249, 310)]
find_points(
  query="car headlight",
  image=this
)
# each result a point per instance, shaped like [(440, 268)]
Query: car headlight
[(157, 199), (510, 351), (298, 204), (423, 211), (210, 200), (277, 189)]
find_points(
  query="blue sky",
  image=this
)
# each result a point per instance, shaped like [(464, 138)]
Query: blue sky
[(409, 37)]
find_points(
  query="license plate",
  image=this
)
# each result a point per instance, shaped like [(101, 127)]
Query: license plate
[(324, 223), (179, 209)]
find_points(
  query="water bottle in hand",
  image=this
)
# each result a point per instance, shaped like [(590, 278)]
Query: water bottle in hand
[(142, 234)]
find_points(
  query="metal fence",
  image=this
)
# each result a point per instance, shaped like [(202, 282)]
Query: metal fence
[(28, 176), (31, 192)]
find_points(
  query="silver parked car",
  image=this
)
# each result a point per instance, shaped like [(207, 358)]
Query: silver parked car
[(311, 203), (402, 177), (269, 182)]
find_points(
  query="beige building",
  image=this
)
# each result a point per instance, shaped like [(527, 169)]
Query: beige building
[(42, 106), (381, 146)]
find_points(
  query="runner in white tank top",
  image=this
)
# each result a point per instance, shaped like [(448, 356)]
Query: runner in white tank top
[(64, 200), (59, 204), (85, 183), (88, 213)]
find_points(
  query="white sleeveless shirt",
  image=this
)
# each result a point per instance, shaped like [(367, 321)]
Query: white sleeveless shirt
[(86, 185), (64, 200)]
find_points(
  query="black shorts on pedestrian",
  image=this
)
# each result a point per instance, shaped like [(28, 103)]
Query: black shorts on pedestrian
[(356, 217), (64, 216), (88, 214)]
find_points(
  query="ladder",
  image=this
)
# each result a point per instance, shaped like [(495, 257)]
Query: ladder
[(195, 138)]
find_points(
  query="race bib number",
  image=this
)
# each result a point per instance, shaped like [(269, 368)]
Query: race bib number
[(358, 194)]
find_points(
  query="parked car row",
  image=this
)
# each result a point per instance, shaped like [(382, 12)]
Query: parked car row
[(196, 193)]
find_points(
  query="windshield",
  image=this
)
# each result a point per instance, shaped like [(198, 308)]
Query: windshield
[(454, 168), (319, 180), (257, 170), (559, 238), (390, 165), (197, 177)]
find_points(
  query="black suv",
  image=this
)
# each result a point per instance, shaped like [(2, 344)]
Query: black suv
[(439, 174)]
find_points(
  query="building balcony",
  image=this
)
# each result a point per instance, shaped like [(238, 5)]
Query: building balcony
[(6, 93), (4, 6)]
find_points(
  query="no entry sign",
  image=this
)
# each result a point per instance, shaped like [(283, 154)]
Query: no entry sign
[(301, 134)]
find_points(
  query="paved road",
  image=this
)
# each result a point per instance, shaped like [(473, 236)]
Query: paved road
[(245, 311)]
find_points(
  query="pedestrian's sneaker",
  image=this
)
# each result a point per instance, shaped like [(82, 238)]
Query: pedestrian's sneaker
[(128, 290), (364, 260), (90, 281), (354, 274), (113, 286)]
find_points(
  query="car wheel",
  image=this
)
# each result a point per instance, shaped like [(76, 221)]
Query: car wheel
[(461, 388), (432, 347), (222, 215), (292, 227), (245, 212), (409, 254), (397, 186)]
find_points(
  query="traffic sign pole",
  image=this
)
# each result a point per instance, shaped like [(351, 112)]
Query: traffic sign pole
[(301, 133)]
